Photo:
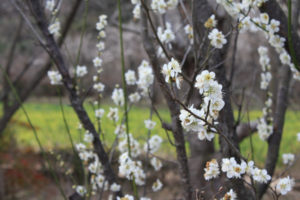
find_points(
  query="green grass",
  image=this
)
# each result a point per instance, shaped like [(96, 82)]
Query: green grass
[(48, 121)]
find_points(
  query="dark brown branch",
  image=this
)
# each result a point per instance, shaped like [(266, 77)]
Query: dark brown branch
[(245, 130), (54, 52)]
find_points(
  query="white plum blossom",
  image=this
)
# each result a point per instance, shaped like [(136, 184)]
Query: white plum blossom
[(134, 146), (81, 71), (171, 72), (102, 22), (100, 46), (211, 169), (130, 77), (156, 163), (97, 61), (99, 113), (88, 137), (126, 197), (217, 39), (298, 137), (50, 5), (149, 124), (188, 29), (154, 144), (129, 168), (81, 190), (166, 35), (115, 187), (157, 185), (134, 97), (231, 195), (137, 11), (99, 87), (80, 147), (113, 114), (118, 96), (54, 28), (288, 158), (211, 22), (55, 77), (146, 77), (261, 175), (285, 185)]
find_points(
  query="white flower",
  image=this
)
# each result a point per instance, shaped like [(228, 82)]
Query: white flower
[(130, 77), (118, 96), (81, 190), (88, 137), (99, 87), (211, 22), (50, 4), (85, 155), (231, 195), (288, 158), (94, 167), (134, 97), (167, 35), (100, 180), (80, 147), (159, 6), (298, 137), (157, 185), (154, 144), (81, 71), (100, 46), (145, 198), (126, 197), (285, 185), (156, 163), (261, 175), (217, 39), (146, 76), (99, 113), (273, 27), (97, 62), (54, 28), (137, 11), (188, 29), (55, 77), (113, 114), (171, 72), (115, 187), (264, 18), (211, 169), (285, 58), (149, 124), (102, 22)]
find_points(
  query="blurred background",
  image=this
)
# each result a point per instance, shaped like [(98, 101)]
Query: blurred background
[(22, 171)]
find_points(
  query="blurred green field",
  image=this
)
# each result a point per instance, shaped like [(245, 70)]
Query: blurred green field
[(47, 119)]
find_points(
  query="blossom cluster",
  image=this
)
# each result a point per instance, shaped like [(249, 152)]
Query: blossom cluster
[(201, 121), (54, 27), (97, 61), (172, 71), (161, 6), (235, 170), (260, 22)]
